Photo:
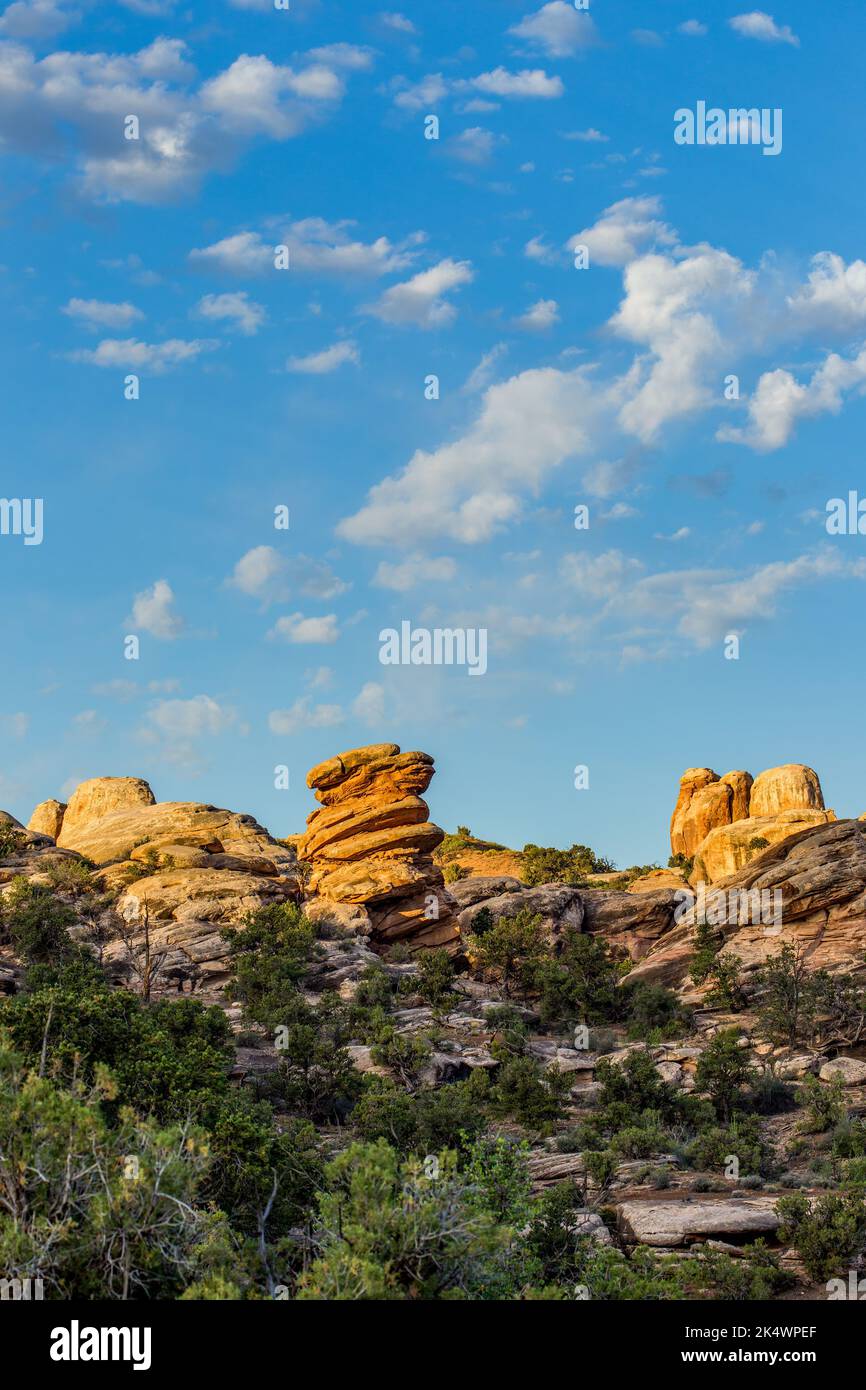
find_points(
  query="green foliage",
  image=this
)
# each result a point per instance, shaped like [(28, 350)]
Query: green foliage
[(169, 1060), (96, 1211), (11, 840), (630, 1087), (72, 876), (269, 955), (453, 873), (435, 978), (682, 861), (530, 1094), (250, 1159), (569, 866), (724, 1071), (581, 984), (823, 1103), (758, 842), (499, 1180), (393, 1228), (315, 1077), (426, 1121), (742, 1138), (796, 1003), (511, 950), (723, 972), (34, 923), (405, 1055), (655, 1012), (825, 1231)]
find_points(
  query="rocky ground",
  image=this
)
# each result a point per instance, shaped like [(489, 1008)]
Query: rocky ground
[(175, 874)]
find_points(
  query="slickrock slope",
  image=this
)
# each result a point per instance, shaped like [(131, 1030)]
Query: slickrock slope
[(716, 818), (370, 844), (118, 818), (821, 874)]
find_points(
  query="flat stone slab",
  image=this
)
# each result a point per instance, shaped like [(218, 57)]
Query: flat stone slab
[(851, 1069), (679, 1222)]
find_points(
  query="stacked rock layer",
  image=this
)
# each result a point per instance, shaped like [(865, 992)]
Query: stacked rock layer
[(370, 845)]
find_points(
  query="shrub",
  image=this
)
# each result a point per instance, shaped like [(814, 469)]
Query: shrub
[(435, 978), (630, 1087), (581, 984), (824, 1104), (569, 866), (529, 1094), (655, 1012), (35, 924), (713, 1148), (511, 950), (724, 1071), (269, 955), (826, 1232)]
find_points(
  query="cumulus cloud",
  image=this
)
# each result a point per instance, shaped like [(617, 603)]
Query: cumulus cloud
[(416, 569), (153, 611), (260, 573), (557, 28), (540, 316), (201, 716), (420, 301), (303, 714), (780, 401), (37, 19), (834, 296), (155, 357), (469, 489), (237, 310), (623, 231), (757, 24), (328, 360), (527, 84), (98, 313), (187, 128), (369, 704), (315, 246), (474, 145), (297, 629), (693, 28)]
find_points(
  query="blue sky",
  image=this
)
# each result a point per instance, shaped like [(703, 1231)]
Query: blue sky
[(412, 257)]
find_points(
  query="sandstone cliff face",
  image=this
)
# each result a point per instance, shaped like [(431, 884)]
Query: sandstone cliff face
[(820, 873), (370, 844), (716, 818)]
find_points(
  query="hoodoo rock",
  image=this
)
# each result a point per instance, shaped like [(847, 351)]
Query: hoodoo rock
[(719, 822), (371, 844)]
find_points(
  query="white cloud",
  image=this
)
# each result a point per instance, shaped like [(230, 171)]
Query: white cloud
[(153, 612), (474, 146), (369, 704), (420, 301), (757, 24), (483, 373), (260, 573), (344, 55), (590, 136), (598, 576), (303, 714), (97, 313), (469, 489), (834, 297), (557, 28), (296, 628), (416, 569), (780, 401), (328, 360), (623, 230), (528, 84), (255, 96), (237, 309), (36, 19), (693, 28), (539, 317), (188, 129), (314, 246), (536, 249), (397, 21), (156, 357), (194, 718)]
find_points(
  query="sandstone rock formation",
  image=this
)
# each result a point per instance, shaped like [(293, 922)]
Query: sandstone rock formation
[(820, 873), (716, 818), (47, 818), (680, 1222), (112, 819), (371, 844)]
